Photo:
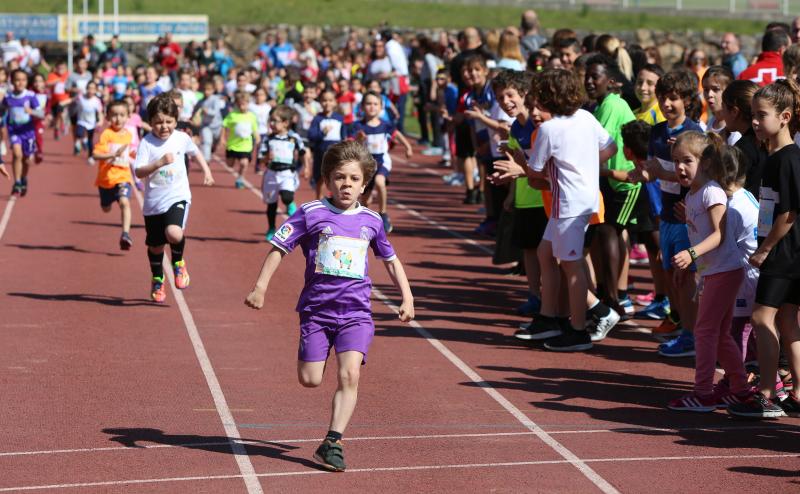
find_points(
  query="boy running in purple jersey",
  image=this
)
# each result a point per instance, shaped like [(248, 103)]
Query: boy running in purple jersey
[(21, 105), (334, 305)]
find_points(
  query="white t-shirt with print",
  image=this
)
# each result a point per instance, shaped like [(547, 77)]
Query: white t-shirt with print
[(569, 146), (726, 256), (169, 184), (743, 225), (88, 109)]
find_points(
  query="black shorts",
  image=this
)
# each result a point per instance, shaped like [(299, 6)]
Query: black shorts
[(114, 194), (464, 145), (589, 236), (626, 209), (773, 291), (236, 155), (529, 225), (317, 166), (56, 109), (156, 225)]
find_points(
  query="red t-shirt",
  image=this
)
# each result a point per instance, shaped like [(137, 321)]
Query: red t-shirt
[(347, 103), (767, 69), (168, 55)]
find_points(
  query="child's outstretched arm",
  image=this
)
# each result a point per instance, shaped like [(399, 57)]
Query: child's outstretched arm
[(255, 299), (398, 276), (3, 171), (144, 171), (208, 179), (780, 227), (405, 143)]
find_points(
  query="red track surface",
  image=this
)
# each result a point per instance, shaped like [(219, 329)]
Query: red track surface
[(103, 391)]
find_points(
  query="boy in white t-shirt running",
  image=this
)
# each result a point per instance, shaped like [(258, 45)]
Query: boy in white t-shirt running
[(568, 151), (160, 163)]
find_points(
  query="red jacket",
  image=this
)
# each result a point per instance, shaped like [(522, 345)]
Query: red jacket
[(767, 69)]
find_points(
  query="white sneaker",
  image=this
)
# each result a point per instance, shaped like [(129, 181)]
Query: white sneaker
[(605, 324)]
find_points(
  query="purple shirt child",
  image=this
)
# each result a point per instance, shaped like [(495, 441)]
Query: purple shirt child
[(335, 244), (20, 123)]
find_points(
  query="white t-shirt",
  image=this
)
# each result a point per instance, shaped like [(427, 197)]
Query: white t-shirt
[(12, 50), (497, 113), (261, 111), (88, 108), (397, 55), (574, 144), (170, 184), (743, 226), (726, 256), (190, 100)]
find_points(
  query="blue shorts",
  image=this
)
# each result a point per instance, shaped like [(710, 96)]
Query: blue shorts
[(114, 194), (319, 333), (654, 197), (674, 238)]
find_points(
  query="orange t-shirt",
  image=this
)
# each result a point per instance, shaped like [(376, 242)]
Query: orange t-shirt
[(113, 171), (59, 85)]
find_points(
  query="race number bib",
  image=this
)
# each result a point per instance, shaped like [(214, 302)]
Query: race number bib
[(18, 116), (342, 256), (168, 175), (669, 187), (332, 129), (122, 160), (376, 143), (243, 130), (60, 88), (768, 198)]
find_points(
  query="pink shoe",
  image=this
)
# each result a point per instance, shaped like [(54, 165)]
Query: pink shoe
[(638, 256), (645, 300)]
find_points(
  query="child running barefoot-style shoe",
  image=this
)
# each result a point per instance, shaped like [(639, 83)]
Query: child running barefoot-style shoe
[(693, 403), (682, 346), (125, 241), (291, 208), (158, 292), (181, 274), (757, 407), (330, 454)]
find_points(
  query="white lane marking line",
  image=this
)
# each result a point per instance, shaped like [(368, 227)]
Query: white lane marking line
[(441, 227), (396, 469), (7, 214), (239, 452), (252, 188), (565, 453), (620, 430), (568, 455)]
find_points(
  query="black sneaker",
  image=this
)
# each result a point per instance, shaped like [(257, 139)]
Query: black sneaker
[(330, 454), (790, 405), (23, 187), (125, 241), (570, 341), (16, 189), (757, 407), (472, 196), (543, 328)]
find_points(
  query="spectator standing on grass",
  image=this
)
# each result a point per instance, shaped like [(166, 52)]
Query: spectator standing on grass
[(531, 40), (399, 87), (769, 66), (732, 54)]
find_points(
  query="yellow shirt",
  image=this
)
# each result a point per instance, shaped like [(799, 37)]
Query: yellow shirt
[(652, 115), (114, 171)]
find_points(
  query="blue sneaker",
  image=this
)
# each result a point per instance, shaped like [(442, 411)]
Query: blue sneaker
[(530, 307), (656, 310), (626, 305), (270, 234), (291, 208), (239, 183), (682, 346)]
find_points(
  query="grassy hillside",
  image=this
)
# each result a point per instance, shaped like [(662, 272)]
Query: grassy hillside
[(396, 12)]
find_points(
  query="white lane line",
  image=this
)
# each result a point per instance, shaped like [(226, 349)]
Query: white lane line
[(568, 455), (441, 227), (565, 453), (239, 452), (7, 214), (395, 469), (620, 430)]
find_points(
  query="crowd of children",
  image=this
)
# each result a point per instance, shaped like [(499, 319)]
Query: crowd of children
[(596, 161)]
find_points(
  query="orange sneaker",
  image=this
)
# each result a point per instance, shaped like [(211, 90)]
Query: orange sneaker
[(158, 293), (181, 274), (666, 329)]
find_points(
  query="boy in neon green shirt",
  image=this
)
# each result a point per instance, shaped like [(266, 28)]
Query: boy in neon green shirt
[(240, 133)]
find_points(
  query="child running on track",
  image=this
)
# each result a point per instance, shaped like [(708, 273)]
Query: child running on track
[(21, 106), (40, 90), (376, 134), (326, 129), (334, 305), (776, 116), (240, 133), (160, 161), (114, 177), (709, 170)]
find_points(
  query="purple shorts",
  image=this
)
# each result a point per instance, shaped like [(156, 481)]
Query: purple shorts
[(319, 333), (26, 139)]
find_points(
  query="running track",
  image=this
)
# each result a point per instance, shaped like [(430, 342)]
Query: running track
[(105, 392)]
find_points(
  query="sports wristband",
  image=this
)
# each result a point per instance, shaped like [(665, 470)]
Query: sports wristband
[(692, 254)]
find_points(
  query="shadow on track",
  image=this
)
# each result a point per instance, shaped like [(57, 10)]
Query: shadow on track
[(83, 297), (63, 248), (215, 444)]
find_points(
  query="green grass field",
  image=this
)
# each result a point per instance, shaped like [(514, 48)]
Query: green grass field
[(400, 13)]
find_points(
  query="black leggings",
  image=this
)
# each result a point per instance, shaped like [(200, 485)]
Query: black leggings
[(287, 197)]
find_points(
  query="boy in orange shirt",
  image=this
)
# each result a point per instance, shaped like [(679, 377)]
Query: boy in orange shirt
[(114, 177), (57, 83)]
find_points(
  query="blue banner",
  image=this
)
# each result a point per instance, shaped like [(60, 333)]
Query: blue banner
[(32, 26)]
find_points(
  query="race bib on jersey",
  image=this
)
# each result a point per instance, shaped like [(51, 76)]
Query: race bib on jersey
[(768, 198), (168, 175), (282, 151), (122, 160), (18, 115), (243, 130), (332, 129), (60, 88), (376, 143), (342, 256)]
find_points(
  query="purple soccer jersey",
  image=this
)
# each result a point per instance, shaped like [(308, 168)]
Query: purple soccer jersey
[(20, 122), (335, 244)]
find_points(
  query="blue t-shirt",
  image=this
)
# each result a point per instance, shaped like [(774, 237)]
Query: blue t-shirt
[(378, 138), (659, 148), (147, 95), (320, 141), (451, 98), (522, 134)]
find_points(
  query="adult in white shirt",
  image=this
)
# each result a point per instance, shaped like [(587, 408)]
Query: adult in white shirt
[(11, 48), (399, 88)]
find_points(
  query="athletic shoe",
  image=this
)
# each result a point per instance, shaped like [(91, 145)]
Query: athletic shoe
[(789, 405), (23, 190), (604, 326), (530, 307), (181, 274), (125, 241), (471, 196), (291, 208), (655, 310), (626, 304), (450, 177), (76, 150), (645, 299), (90, 161), (16, 189), (432, 151), (158, 292), (387, 223), (239, 184), (723, 396), (682, 346), (569, 341), (543, 328), (38, 158), (666, 329), (487, 228), (457, 182), (638, 256), (330, 454), (523, 334), (270, 234), (693, 403), (757, 407)]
